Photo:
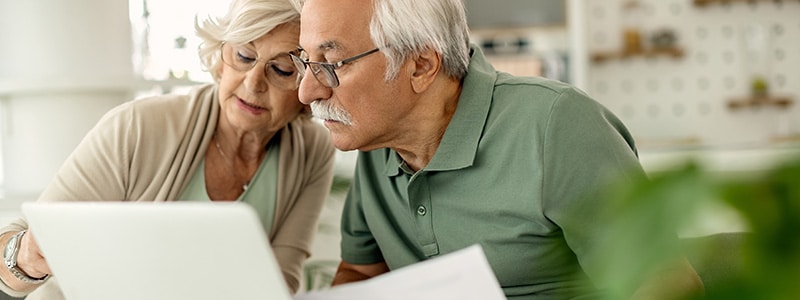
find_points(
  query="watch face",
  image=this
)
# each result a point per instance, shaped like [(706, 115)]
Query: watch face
[(10, 246)]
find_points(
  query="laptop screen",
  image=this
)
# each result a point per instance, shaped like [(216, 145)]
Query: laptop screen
[(149, 250)]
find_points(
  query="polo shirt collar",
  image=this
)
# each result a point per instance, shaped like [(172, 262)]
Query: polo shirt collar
[(459, 145)]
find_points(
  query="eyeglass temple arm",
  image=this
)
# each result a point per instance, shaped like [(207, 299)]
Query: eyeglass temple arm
[(346, 61)]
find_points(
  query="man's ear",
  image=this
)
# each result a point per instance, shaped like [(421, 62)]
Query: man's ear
[(425, 67)]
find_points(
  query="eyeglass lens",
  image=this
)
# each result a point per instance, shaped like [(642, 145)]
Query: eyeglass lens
[(280, 71), (323, 72), (328, 70)]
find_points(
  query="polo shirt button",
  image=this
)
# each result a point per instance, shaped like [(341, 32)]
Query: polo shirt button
[(421, 210)]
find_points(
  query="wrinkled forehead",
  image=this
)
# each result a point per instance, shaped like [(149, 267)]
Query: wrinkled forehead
[(335, 26), (281, 40)]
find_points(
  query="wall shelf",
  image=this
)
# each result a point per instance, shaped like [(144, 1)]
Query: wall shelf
[(671, 99), (754, 101), (709, 2), (672, 52)]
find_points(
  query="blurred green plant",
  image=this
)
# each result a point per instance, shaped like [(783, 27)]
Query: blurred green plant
[(771, 206), (646, 216), (759, 87), (767, 263), (340, 184)]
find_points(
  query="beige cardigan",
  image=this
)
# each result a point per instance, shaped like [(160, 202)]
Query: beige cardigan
[(148, 149)]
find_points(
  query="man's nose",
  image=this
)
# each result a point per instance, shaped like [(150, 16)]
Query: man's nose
[(311, 89)]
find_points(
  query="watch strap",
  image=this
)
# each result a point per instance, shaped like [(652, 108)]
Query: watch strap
[(25, 278), (11, 262)]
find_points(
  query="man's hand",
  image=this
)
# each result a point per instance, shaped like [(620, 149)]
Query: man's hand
[(350, 273), (677, 280)]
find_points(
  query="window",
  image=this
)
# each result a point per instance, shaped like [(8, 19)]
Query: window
[(165, 43)]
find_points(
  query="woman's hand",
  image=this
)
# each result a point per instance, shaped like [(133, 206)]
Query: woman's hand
[(30, 259)]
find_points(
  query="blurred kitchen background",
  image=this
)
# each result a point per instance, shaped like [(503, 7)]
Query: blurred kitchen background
[(712, 81)]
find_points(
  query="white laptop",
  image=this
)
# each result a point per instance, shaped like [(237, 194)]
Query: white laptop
[(172, 250)]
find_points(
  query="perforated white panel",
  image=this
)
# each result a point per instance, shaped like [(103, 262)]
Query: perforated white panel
[(666, 101)]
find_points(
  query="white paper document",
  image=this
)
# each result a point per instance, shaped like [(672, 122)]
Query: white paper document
[(464, 274)]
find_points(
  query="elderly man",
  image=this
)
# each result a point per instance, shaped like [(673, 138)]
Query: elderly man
[(454, 153)]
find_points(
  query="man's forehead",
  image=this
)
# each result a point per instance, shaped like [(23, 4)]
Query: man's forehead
[(329, 42), (329, 45), (321, 47), (334, 26)]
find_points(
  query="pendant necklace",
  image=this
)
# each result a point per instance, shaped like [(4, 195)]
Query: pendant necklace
[(230, 163)]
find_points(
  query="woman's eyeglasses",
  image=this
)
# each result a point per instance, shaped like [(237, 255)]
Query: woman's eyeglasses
[(280, 71)]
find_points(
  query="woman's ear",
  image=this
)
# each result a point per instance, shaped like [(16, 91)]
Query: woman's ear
[(219, 71), (425, 67)]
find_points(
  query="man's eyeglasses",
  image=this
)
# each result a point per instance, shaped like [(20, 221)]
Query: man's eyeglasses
[(324, 72), (280, 70)]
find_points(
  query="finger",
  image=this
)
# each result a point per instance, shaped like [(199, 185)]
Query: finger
[(42, 264), (44, 267), (30, 258)]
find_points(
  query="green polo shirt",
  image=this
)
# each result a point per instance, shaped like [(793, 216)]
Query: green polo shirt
[(512, 173)]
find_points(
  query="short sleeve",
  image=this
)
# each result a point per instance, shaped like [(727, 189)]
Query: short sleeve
[(586, 148)]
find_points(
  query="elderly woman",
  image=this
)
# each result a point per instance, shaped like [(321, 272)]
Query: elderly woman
[(245, 138)]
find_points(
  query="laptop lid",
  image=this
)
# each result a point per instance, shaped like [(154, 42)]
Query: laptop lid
[(165, 250)]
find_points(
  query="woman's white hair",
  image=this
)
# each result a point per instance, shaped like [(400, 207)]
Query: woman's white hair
[(405, 28), (245, 21)]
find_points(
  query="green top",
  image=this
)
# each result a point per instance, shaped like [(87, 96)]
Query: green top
[(260, 194), (511, 174)]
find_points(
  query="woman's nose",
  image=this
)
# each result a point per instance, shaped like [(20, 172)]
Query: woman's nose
[(255, 79)]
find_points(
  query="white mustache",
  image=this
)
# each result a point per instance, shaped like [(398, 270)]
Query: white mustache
[(324, 110)]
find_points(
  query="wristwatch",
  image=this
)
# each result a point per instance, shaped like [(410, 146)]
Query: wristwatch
[(10, 257)]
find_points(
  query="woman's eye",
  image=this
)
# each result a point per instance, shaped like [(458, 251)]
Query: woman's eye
[(245, 57), (282, 71)]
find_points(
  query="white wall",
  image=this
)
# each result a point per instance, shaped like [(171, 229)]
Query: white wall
[(680, 102), (64, 64), (677, 108)]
